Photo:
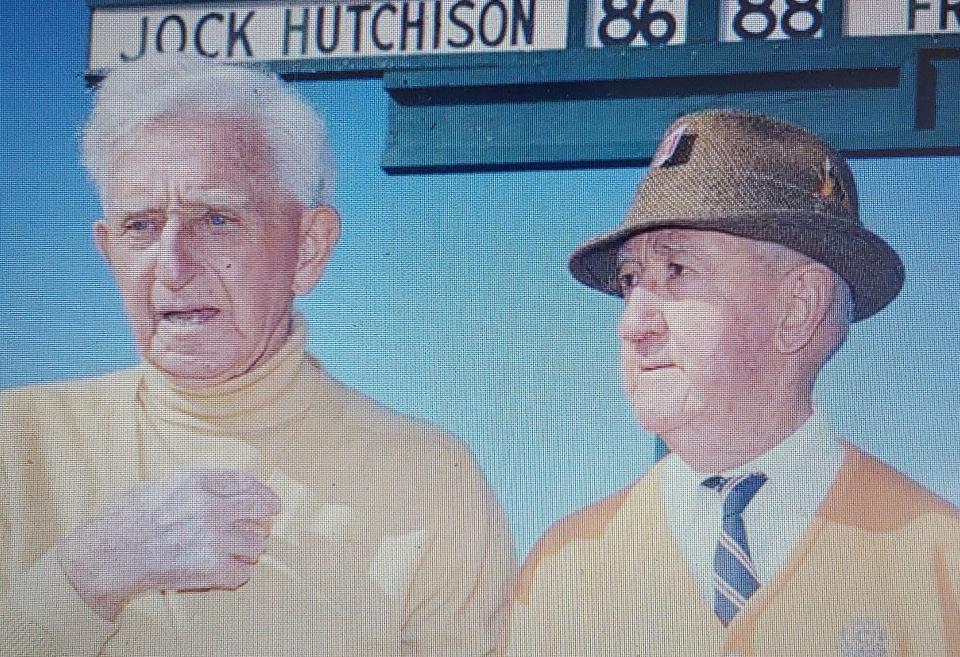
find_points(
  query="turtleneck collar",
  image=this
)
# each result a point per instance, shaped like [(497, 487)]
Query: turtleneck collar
[(243, 407)]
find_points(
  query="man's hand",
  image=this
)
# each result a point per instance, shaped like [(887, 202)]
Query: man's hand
[(200, 530)]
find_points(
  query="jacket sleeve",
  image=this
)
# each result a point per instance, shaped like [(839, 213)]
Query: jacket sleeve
[(946, 569)]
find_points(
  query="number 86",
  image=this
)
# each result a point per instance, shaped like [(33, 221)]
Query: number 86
[(642, 24)]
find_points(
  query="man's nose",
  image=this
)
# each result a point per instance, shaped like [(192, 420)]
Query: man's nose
[(176, 262), (642, 322)]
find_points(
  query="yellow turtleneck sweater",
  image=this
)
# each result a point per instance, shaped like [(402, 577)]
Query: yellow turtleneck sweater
[(390, 541)]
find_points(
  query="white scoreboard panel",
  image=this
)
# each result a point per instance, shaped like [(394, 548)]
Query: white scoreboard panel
[(749, 20), (636, 23), (280, 31), (900, 17)]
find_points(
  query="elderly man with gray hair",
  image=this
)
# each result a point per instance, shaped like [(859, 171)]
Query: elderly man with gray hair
[(227, 497), (741, 263)]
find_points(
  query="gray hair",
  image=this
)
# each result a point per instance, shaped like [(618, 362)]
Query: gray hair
[(133, 95)]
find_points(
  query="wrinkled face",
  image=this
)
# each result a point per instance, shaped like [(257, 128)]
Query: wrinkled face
[(696, 332), (204, 243)]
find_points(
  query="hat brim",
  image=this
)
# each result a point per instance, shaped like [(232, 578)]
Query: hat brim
[(871, 268)]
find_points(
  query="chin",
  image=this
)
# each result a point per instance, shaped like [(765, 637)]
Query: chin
[(655, 421), (657, 412), (193, 372)]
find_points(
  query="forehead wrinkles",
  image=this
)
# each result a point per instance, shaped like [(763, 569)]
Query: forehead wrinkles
[(711, 251), (231, 138), (201, 146), (656, 244), (204, 158)]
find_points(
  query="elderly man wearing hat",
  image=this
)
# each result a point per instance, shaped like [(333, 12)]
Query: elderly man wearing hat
[(741, 263)]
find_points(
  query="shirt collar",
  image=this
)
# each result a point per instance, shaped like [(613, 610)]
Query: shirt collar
[(799, 470)]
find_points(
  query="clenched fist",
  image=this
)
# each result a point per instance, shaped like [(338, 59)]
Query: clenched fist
[(202, 529)]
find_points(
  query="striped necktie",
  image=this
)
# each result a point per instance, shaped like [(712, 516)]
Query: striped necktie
[(734, 576)]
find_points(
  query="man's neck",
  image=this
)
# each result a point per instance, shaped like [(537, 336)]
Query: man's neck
[(748, 436)]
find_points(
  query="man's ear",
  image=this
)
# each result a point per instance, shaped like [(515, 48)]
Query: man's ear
[(319, 232), (805, 298), (101, 237)]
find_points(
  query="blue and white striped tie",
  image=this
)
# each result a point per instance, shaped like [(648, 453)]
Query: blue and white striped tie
[(734, 576)]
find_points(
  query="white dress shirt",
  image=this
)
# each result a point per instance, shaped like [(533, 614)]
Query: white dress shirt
[(799, 473)]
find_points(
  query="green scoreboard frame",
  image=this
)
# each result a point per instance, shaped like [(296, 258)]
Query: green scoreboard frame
[(584, 106)]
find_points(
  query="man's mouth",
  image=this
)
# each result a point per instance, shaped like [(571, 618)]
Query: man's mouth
[(653, 367), (190, 317)]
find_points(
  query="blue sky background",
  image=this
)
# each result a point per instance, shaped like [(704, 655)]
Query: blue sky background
[(448, 296)]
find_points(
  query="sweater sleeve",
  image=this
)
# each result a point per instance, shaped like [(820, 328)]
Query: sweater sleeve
[(458, 599), (47, 617), (946, 568), (21, 638), (40, 612)]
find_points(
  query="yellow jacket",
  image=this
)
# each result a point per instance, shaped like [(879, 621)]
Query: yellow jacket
[(877, 574)]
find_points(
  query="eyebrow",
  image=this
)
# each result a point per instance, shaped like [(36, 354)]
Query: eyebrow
[(208, 196)]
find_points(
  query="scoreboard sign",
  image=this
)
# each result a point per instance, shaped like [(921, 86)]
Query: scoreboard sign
[(497, 84), (279, 31), (264, 31)]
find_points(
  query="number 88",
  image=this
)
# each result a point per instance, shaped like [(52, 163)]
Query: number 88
[(763, 8)]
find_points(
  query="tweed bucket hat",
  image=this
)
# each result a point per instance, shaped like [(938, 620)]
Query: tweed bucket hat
[(756, 177)]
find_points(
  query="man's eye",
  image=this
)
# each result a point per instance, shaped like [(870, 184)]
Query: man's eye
[(675, 269), (626, 281), (141, 225), (218, 219)]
